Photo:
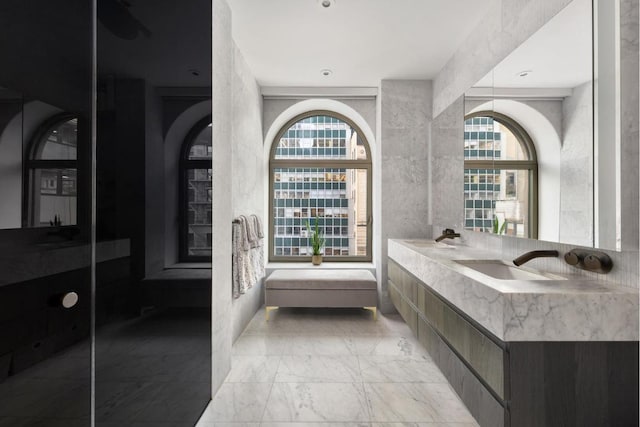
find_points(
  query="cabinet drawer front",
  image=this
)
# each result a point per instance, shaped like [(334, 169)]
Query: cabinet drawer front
[(481, 403), (408, 313), (478, 351), (406, 284)]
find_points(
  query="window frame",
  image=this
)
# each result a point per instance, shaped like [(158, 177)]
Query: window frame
[(31, 195), (185, 165), (531, 164), (356, 164)]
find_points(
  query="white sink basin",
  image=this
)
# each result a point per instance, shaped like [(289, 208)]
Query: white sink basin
[(498, 269), (430, 244)]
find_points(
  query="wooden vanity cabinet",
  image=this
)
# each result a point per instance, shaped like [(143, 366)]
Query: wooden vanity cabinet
[(520, 384)]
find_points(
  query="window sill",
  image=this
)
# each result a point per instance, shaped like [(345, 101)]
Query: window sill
[(325, 265)]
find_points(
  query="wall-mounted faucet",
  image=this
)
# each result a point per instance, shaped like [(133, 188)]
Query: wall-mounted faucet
[(589, 260), (448, 233), (528, 256)]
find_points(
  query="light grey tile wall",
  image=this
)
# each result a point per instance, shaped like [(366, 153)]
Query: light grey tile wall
[(248, 172), (274, 107), (446, 168), (222, 114), (576, 167), (629, 70), (405, 111), (625, 272), (506, 24)]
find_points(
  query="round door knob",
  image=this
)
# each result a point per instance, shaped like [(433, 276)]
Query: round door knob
[(69, 299)]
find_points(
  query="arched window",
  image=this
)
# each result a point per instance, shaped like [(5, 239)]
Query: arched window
[(500, 176), (195, 194), (320, 169), (52, 174)]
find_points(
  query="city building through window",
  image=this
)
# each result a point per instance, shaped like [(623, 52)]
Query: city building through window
[(52, 174), (320, 171), (500, 176), (195, 218)]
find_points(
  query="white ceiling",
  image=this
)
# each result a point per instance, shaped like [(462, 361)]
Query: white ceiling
[(288, 42), (559, 54)]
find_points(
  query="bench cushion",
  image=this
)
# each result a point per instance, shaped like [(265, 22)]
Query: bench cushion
[(321, 279)]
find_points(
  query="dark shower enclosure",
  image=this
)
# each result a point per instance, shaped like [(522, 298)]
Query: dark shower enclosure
[(101, 320)]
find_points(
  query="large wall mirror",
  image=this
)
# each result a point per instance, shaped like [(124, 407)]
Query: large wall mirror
[(529, 136)]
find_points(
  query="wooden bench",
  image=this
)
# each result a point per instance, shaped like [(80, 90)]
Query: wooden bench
[(321, 288)]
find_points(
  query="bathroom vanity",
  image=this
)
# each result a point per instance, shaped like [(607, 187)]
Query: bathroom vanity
[(520, 347)]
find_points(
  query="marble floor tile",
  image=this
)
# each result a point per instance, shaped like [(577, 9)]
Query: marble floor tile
[(238, 402), (260, 345), (318, 369), (405, 346), (415, 402), (436, 424), (289, 321), (213, 424), (399, 369), (253, 369), (286, 424), (394, 324), (336, 368), (320, 346), (317, 402), (119, 401)]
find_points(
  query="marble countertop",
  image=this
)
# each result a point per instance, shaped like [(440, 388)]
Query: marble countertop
[(571, 309)]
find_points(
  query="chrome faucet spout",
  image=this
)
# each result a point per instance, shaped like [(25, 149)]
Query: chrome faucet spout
[(447, 233), (528, 256)]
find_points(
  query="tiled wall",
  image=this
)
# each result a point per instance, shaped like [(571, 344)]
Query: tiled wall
[(506, 24), (446, 167), (629, 123), (222, 200), (248, 166), (576, 167), (405, 127), (625, 272)]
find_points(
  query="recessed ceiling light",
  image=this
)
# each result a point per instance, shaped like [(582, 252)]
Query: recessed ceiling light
[(326, 72), (524, 73), (326, 3)]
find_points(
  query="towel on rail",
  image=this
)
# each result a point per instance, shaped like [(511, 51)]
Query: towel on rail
[(248, 254), (257, 254), (258, 225)]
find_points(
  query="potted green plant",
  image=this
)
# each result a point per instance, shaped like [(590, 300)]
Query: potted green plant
[(497, 228), (317, 242)]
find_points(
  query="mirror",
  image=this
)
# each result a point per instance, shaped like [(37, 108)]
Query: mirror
[(528, 137), (38, 170)]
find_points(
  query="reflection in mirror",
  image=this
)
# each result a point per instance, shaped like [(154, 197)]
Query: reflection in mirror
[(52, 174), (10, 158), (529, 136), (500, 176), (40, 191), (198, 173)]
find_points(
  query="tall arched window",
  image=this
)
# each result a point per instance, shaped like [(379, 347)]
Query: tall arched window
[(52, 174), (195, 194), (500, 176), (320, 170)]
